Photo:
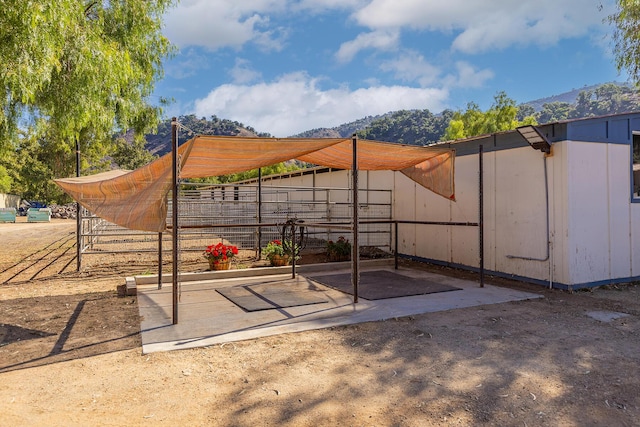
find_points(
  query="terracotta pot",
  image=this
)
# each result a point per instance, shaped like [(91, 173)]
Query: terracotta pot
[(333, 257), (220, 265), (279, 261)]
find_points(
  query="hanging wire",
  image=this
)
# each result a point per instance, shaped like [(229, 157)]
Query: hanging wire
[(190, 132)]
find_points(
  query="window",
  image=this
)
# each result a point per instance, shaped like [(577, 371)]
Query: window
[(635, 176)]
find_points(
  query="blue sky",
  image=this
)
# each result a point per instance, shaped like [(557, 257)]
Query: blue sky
[(286, 66)]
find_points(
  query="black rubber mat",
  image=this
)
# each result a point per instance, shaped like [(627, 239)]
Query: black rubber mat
[(271, 295), (382, 284)]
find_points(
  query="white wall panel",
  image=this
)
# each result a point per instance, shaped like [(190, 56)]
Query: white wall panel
[(432, 241), (591, 218), (465, 208), (634, 230), (520, 213), (381, 180), (404, 208), (618, 158), (489, 201), (558, 190), (588, 238)]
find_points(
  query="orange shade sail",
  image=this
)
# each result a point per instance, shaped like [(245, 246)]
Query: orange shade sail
[(138, 199)]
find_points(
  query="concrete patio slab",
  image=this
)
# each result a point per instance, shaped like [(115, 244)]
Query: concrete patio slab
[(205, 317)]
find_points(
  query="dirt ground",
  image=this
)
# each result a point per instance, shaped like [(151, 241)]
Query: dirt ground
[(70, 354)]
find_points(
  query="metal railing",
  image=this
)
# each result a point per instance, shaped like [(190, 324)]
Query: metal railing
[(249, 217)]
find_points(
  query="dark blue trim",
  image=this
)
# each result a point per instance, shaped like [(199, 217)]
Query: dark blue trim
[(609, 129), (545, 283), (633, 198)]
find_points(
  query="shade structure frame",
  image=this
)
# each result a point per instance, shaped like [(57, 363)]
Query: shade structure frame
[(138, 199), (117, 196)]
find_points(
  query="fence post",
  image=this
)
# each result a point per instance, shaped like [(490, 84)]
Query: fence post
[(481, 214), (174, 212)]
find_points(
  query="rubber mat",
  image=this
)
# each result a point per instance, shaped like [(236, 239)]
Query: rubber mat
[(272, 295), (382, 284)]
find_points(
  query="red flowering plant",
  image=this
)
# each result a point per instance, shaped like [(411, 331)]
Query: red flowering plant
[(274, 247), (220, 252), (339, 250)]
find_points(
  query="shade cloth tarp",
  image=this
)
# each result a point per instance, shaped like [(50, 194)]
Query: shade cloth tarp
[(138, 199)]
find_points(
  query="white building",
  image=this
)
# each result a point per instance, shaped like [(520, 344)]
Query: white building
[(570, 218)]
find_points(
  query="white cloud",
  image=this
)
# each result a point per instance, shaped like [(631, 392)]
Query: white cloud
[(478, 26), (326, 5), (381, 40), (222, 23), (410, 66), (426, 74), (295, 103), (484, 25), (242, 72), (469, 77)]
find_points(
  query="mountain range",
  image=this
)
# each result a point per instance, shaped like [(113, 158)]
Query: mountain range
[(417, 127)]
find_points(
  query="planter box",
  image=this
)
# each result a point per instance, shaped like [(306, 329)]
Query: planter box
[(7, 214), (39, 215)]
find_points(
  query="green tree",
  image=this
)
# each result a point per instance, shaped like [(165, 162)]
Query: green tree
[(36, 163), (609, 98), (626, 37), (413, 127), (5, 180), (525, 110), (554, 112), (131, 155), (501, 116), (78, 71)]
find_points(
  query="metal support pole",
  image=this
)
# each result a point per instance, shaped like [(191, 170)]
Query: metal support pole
[(174, 212), (355, 248), (293, 250), (160, 260), (259, 246), (78, 215), (395, 251), (481, 214)]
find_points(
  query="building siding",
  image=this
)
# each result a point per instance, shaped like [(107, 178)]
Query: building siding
[(593, 225)]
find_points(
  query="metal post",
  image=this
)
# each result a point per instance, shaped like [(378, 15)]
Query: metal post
[(259, 247), (481, 215), (78, 214), (396, 245), (355, 249), (160, 260), (328, 211), (174, 212), (293, 250)]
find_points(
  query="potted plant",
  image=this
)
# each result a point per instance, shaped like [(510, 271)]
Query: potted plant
[(279, 253), (340, 250), (219, 256)]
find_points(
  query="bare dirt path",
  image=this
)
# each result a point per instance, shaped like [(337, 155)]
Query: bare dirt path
[(70, 355)]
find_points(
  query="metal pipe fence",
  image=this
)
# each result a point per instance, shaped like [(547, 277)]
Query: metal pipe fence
[(249, 218)]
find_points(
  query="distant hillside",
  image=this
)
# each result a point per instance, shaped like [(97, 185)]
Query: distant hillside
[(599, 100), (342, 131), (160, 143), (421, 127), (568, 97), (412, 127)]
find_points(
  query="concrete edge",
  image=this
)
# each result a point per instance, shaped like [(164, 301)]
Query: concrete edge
[(129, 287)]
